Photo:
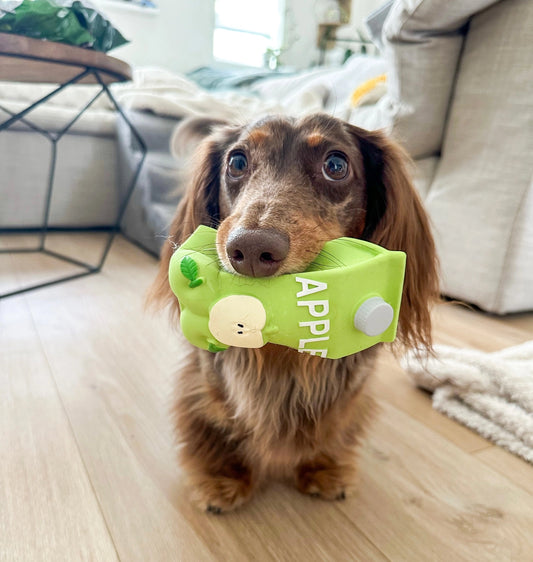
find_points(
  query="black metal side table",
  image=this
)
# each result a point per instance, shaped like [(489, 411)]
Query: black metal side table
[(23, 59)]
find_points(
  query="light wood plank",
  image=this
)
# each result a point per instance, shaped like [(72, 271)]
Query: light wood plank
[(48, 509), (116, 388), (515, 468), (117, 412), (522, 321), (487, 332), (464, 327), (19, 270), (422, 498), (36, 268), (430, 489), (281, 524), (391, 383)]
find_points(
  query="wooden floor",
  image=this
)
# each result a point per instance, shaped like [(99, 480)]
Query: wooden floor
[(87, 469)]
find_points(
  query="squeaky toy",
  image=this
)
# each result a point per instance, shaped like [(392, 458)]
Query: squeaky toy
[(347, 300)]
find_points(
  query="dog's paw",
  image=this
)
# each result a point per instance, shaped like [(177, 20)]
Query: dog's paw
[(333, 484), (220, 494)]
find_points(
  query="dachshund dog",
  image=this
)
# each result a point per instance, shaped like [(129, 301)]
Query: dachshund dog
[(277, 190)]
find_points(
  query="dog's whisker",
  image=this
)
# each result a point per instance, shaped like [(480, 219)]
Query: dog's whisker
[(322, 266), (334, 259), (204, 250)]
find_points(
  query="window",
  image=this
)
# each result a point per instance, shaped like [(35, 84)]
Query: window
[(246, 29)]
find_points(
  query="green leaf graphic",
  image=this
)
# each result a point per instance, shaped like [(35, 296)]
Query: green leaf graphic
[(189, 268), (196, 283)]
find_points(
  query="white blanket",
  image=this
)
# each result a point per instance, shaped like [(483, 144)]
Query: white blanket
[(168, 94), (491, 393), (322, 89), (164, 93)]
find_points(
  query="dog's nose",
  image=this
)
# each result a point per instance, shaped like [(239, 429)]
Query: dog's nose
[(257, 252)]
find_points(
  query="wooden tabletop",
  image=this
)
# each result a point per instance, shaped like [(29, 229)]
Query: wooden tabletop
[(23, 59)]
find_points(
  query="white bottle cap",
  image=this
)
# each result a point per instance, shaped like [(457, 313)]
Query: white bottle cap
[(374, 316)]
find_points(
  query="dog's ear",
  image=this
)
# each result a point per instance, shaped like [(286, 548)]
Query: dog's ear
[(189, 133), (200, 202), (396, 220)]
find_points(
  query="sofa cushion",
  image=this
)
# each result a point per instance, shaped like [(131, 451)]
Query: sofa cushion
[(422, 42), (515, 293), (62, 108), (423, 173), (487, 159), (85, 191)]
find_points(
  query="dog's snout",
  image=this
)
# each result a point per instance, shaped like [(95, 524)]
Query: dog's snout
[(258, 252)]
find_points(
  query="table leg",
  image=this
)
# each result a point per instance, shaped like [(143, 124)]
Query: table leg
[(54, 139)]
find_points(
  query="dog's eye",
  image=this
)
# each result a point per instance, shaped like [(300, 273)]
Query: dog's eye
[(335, 166), (237, 165)]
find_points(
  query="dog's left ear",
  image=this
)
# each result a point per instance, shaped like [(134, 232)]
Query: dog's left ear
[(396, 220), (200, 202)]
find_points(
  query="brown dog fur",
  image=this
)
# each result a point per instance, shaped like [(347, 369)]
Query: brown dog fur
[(246, 415)]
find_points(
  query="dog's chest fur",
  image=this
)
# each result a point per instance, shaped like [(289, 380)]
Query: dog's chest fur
[(285, 406)]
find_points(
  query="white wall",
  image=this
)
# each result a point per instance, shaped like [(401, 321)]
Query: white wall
[(300, 34), (301, 27), (177, 36), (361, 9)]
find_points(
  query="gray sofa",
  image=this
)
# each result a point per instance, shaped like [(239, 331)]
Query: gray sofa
[(95, 163), (85, 193), (460, 99), (154, 200)]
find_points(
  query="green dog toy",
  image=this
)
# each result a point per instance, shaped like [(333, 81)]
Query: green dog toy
[(347, 300)]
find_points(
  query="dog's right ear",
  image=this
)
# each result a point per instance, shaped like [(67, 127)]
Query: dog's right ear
[(396, 220), (200, 202), (190, 132)]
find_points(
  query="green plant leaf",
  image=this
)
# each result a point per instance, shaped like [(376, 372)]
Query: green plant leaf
[(189, 268), (196, 283)]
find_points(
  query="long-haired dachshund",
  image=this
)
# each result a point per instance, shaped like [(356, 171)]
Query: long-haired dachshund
[(277, 190)]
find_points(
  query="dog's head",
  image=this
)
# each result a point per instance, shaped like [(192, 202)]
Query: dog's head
[(279, 188)]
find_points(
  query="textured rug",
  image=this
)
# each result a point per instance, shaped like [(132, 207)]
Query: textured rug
[(491, 393)]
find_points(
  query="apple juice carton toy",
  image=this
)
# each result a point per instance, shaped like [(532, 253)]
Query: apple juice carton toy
[(347, 300)]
